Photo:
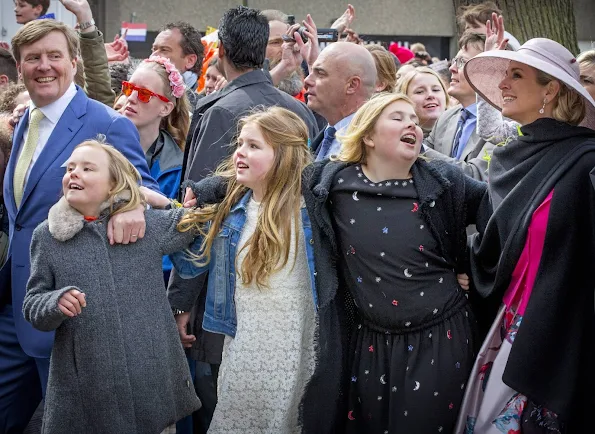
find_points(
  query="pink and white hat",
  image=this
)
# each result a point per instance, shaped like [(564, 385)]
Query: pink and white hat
[(485, 71)]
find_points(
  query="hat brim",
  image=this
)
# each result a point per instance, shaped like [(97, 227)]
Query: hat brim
[(485, 72)]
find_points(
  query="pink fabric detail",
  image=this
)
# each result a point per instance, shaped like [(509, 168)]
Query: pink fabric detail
[(523, 276)]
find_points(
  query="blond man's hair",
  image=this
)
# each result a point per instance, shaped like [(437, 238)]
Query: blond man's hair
[(33, 31), (405, 81), (268, 247), (123, 175), (386, 69), (353, 147)]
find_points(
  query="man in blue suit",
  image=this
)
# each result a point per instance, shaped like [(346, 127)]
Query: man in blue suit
[(60, 117)]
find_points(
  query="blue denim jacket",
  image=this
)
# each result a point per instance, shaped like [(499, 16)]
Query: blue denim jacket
[(220, 312)]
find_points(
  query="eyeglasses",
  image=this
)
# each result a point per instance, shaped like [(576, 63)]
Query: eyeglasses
[(144, 95), (459, 61)]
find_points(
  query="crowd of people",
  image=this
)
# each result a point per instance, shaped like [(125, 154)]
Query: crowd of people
[(267, 236)]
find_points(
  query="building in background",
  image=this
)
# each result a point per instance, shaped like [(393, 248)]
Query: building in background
[(431, 22)]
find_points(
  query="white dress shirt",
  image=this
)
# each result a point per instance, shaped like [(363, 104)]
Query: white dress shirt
[(52, 114)]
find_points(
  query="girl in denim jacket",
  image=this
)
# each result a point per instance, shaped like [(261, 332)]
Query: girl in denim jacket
[(256, 246)]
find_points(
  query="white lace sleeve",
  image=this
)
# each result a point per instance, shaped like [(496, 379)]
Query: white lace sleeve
[(491, 125)]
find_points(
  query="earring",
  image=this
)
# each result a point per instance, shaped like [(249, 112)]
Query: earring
[(542, 110)]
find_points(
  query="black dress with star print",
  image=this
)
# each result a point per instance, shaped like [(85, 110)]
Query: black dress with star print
[(412, 350)]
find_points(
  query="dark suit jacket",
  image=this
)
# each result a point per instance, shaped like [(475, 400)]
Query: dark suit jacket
[(315, 144), (83, 119), (216, 117), (440, 141)]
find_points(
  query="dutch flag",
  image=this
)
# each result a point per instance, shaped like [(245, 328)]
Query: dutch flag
[(136, 32)]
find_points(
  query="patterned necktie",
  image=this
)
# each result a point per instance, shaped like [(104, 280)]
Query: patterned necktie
[(460, 126), (327, 142), (26, 156)]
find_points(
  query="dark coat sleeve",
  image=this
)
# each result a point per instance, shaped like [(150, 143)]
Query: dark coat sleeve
[(182, 293), (474, 193), (212, 142)]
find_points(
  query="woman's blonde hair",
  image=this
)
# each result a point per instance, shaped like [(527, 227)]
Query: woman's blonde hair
[(386, 69), (123, 175), (586, 58), (568, 106), (405, 81), (177, 123), (268, 247)]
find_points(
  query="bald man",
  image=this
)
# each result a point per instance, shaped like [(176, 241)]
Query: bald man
[(341, 80)]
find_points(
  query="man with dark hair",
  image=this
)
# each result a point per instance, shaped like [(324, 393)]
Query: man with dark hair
[(181, 43), (243, 37), (29, 10), (454, 135), (8, 69)]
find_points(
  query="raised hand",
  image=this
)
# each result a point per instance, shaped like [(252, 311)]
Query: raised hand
[(309, 50), (495, 34), (117, 51), (4, 45), (344, 21), (353, 37), (80, 8)]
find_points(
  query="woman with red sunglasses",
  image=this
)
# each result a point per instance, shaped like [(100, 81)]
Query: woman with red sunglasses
[(157, 105)]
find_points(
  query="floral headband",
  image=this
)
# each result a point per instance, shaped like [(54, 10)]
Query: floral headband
[(175, 78)]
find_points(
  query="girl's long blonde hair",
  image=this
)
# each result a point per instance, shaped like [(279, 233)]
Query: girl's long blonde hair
[(123, 175), (353, 148), (269, 245)]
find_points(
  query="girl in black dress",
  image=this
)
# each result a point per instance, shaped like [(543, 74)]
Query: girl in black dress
[(400, 228)]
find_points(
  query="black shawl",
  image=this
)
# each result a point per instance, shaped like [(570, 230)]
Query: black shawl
[(550, 358)]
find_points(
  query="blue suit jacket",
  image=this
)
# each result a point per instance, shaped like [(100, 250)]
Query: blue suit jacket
[(83, 119)]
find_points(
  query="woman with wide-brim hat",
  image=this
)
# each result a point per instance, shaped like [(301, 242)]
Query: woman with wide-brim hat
[(532, 259)]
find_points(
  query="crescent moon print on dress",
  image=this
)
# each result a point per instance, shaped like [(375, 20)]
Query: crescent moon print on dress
[(394, 279)]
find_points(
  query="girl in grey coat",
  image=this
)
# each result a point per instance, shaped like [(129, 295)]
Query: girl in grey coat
[(117, 364)]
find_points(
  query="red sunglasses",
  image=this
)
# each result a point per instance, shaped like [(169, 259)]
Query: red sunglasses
[(144, 95)]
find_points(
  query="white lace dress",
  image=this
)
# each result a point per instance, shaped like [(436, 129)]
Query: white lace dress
[(264, 370)]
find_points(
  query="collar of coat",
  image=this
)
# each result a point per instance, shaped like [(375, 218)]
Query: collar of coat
[(65, 222), (249, 78)]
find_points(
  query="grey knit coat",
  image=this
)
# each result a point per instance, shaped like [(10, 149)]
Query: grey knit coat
[(119, 366)]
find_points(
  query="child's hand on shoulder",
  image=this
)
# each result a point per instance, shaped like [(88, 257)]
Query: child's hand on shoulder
[(72, 302)]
